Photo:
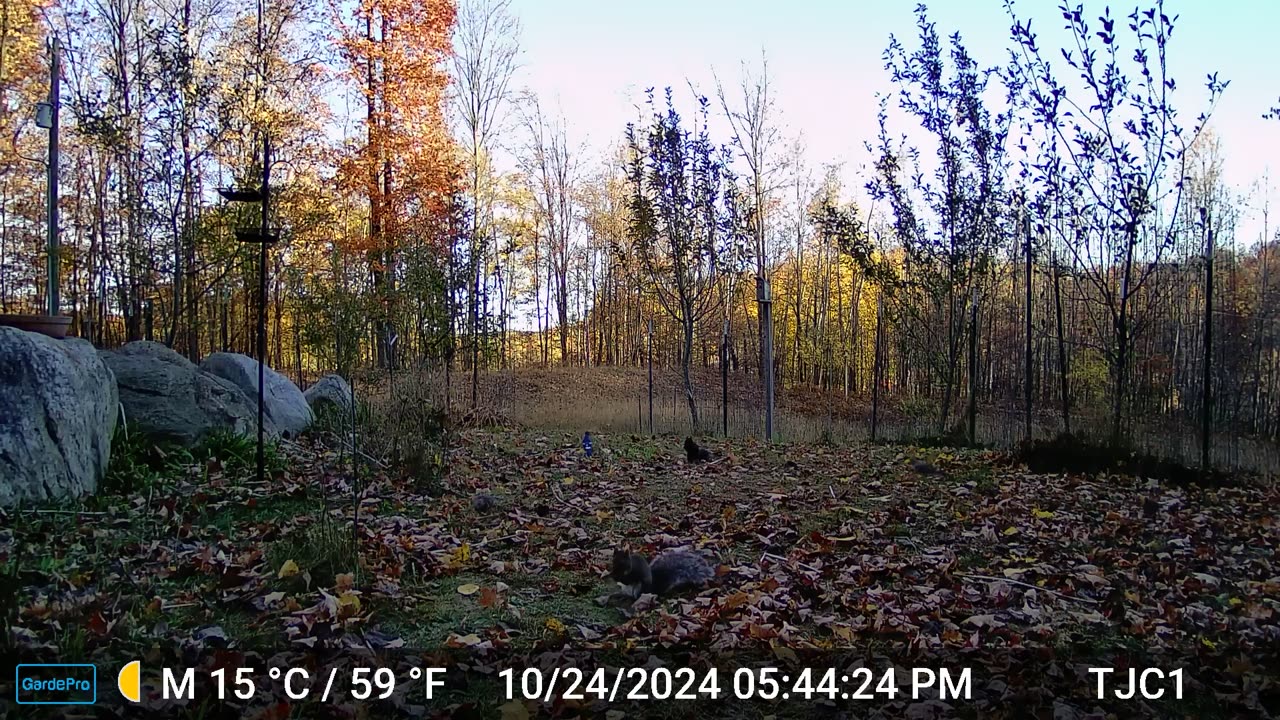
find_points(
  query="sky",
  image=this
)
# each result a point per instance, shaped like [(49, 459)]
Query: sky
[(592, 60)]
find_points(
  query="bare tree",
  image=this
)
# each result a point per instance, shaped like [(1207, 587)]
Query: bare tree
[(684, 218), (552, 171), (486, 49), (755, 135), (1116, 149)]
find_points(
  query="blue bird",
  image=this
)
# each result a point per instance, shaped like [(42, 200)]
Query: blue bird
[(586, 443)]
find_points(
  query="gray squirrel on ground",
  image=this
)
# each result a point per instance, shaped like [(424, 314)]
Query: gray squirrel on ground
[(669, 572)]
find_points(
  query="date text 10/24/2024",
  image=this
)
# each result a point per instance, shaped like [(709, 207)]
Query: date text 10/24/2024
[(661, 683)]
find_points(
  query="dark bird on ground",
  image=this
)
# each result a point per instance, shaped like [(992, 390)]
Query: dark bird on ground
[(695, 453)]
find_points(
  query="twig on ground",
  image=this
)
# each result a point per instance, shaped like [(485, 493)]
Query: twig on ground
[(1029, 586), (771, 556), (486, 541)]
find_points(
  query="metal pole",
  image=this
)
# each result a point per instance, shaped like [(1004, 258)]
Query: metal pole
[(55, 92), (1206, 435), (262, 299), (765, 300), (875, 368), (650, 376), (724, 379), (973, 369), (1028, 371)]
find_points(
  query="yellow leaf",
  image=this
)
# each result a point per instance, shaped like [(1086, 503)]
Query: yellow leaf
[(1041, 514), (460, 556), (348, 604), (555, 625), (288, 569), (1011, 531), (468, 589), (568, 481), (1208, 643)]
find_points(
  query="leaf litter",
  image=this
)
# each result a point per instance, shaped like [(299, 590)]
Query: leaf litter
[(822, 551)]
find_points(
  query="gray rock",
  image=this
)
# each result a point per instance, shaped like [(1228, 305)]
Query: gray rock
[(165, 396), (285, 405), (331, 393), (58, 409)]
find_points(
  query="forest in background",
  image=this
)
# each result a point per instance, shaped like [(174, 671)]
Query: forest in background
[(1052, 222)]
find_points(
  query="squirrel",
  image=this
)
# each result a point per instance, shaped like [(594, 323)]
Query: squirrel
[(670, 571), (695, 453), (484, 502)]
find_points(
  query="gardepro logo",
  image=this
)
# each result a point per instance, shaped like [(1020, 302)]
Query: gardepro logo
[(56, 684)]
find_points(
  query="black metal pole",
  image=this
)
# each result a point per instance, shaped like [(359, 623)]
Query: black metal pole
[(973, 369), (262, 300), (55, 105), (875, 368), (1206, 434), (1029, 369), (724, 379), (650, 376)]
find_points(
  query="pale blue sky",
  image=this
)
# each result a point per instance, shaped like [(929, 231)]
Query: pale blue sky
[(593, 59)]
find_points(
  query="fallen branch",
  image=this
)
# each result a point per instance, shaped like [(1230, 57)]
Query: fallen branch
[(1029, 586), (486, 541), (771, 556)]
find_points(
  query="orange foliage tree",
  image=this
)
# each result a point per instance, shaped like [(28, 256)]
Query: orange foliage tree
[(405, 164), (23, 82)]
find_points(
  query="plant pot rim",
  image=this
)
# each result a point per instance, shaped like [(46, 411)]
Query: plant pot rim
[(38, 318)]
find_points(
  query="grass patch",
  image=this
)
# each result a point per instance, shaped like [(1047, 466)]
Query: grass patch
[(532, 608), (139, 463), (272, 508), (319, 552)]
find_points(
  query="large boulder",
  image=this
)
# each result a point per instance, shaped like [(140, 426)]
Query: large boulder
[(330, 396), (165, 396), (285, 406), (58, 409)]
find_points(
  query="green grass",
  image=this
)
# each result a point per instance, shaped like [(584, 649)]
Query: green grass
[(139, 463), (271, 508), (433, 610), (323, 550)]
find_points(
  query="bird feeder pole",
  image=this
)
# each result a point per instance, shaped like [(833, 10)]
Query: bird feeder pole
[(54, 105)]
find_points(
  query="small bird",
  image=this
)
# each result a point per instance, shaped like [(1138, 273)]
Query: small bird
[(484, 502), (586, 443)]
